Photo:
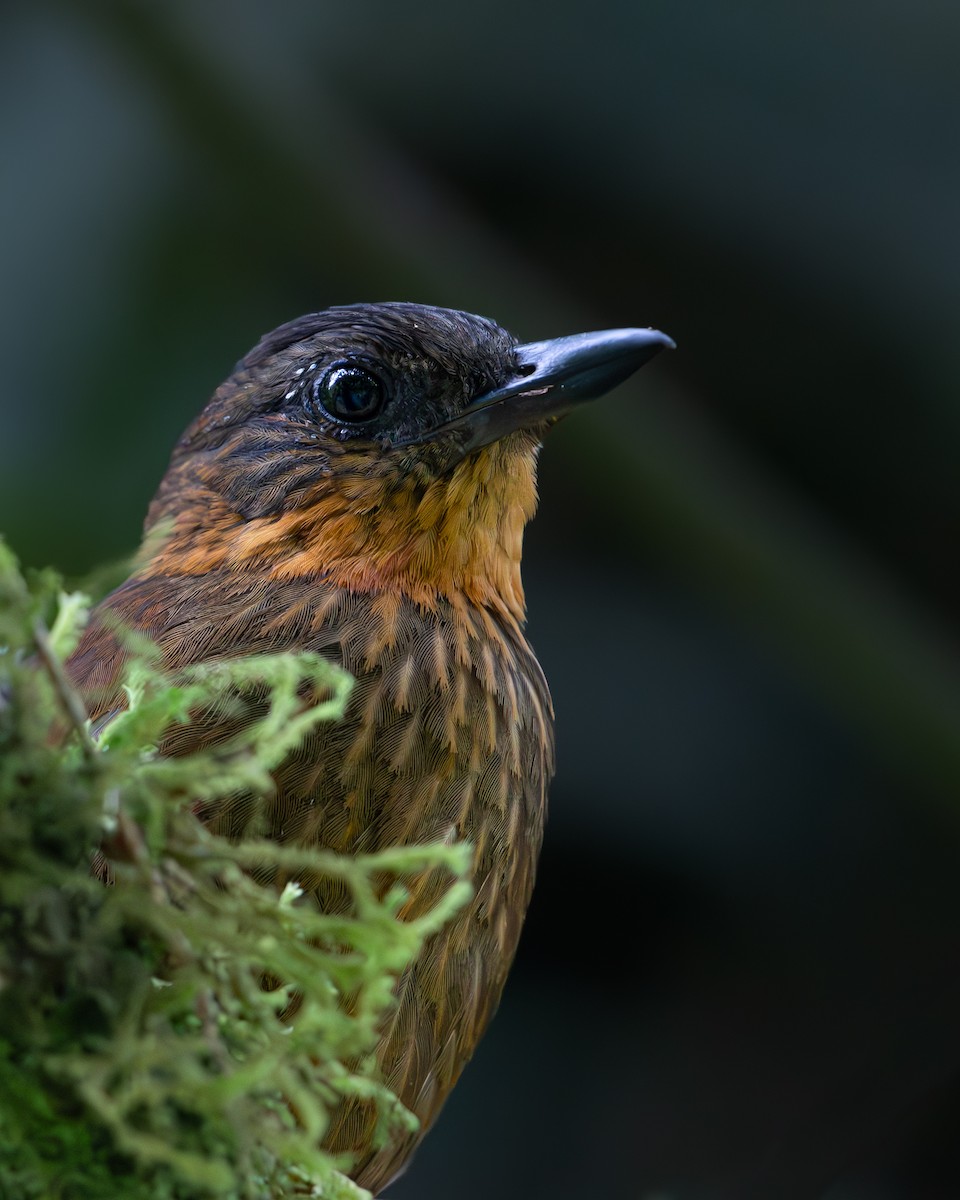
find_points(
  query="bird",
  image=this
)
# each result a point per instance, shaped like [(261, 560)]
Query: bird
[(359, 487)]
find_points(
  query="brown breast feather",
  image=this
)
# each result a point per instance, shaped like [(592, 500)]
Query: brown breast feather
[(448, 735)]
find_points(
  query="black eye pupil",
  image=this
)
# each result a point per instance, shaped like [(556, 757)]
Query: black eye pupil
[(351, 394)]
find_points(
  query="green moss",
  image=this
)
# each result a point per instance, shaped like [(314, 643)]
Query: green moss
[(141, 1052)]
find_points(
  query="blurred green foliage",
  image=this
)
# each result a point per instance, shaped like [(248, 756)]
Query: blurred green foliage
[(148, 1047)]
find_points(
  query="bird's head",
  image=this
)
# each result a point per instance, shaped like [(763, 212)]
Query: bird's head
[(379, 446)]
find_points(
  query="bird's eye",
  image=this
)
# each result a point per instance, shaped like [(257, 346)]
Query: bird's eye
[(348, 392)]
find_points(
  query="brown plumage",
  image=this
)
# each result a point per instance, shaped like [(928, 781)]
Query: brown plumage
[(359, 487)]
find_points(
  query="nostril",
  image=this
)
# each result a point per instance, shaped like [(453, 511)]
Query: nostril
[(526, 369)]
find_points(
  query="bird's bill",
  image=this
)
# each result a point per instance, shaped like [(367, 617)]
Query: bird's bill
[(555, 376)]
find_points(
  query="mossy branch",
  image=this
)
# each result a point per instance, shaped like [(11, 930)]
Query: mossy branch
[(146, 1044)]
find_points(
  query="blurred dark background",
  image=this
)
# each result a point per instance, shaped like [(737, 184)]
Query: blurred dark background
[(740, 976)]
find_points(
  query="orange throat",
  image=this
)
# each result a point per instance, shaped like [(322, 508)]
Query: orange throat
[(456, 537)]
